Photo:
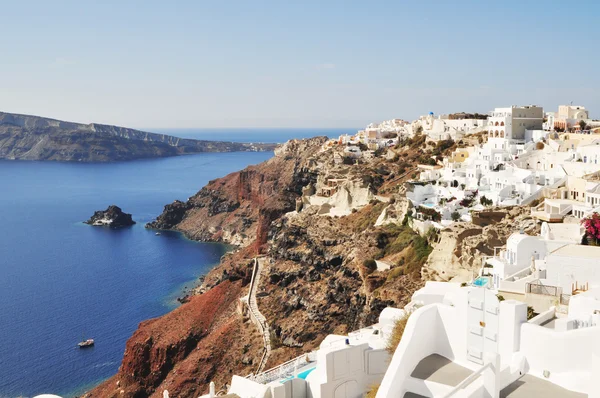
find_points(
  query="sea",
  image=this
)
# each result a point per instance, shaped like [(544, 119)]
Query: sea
[(62, 281)]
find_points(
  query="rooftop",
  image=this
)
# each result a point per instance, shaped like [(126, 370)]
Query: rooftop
[(580, 251)]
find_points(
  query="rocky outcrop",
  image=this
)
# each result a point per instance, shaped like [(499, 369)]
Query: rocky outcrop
[(460, 250), (394, 213), (172, 215), (239, 207), (36, 138), (112, 217)]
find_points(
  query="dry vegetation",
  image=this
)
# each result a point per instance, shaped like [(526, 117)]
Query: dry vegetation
[(372, 391), (397, 334)]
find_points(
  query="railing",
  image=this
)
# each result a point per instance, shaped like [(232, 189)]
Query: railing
[(543, 191), (255, 315), (519, 275), (538, 288), (543, 317), (565, 299), (468, 381), (284, 370)]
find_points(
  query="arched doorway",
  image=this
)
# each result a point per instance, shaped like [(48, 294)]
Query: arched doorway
[(348, 389)]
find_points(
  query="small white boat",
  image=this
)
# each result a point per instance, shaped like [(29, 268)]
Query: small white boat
[(86, 343), (158, 233)]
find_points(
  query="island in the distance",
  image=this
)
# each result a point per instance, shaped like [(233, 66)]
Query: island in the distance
[(112, 217), (24, 137)]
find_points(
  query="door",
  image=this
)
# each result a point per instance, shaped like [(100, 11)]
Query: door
[(482, 324)]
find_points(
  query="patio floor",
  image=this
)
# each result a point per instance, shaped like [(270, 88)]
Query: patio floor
[(439, 369), (530, 386), (413, 395)]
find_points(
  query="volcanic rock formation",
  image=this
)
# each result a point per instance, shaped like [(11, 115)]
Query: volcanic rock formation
[(112, 217)]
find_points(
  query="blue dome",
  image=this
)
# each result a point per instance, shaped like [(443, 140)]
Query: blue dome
[(431, 113)]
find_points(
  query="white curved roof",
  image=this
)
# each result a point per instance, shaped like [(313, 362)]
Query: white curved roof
[(517, 238)]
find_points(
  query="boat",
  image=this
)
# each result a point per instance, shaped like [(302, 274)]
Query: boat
[(86, 343), (158, 233)]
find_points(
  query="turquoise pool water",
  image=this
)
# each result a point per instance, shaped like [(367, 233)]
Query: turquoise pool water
[(301, 375), (480, 281), (430, 205)]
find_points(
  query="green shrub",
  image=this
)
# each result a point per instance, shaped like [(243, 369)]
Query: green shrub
[(485, 201), (430, 214), (455, 216), (395, 273), (370, 265)]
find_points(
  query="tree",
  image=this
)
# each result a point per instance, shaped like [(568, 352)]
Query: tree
[(370, 265), (485, 201), (582, 125), (455, 216)]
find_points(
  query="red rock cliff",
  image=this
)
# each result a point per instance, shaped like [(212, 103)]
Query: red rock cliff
[(239, 207), (183, 350)]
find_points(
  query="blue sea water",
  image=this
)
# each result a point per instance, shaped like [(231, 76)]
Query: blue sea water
[(269, 135), (61, 280)]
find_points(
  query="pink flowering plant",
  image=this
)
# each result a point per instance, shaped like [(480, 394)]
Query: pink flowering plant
[(592, 228)]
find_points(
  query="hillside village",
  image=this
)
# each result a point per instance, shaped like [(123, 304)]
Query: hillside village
[(525, 320), (453, 256)]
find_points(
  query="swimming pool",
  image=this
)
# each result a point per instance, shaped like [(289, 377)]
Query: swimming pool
[(481, 281), (430, 205), (301, 375)]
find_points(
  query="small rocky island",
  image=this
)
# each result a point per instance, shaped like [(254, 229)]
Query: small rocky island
[(112, 217)]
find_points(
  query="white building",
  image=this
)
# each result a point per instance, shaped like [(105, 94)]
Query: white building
[(343, 366), (511, 123), (471, 344)]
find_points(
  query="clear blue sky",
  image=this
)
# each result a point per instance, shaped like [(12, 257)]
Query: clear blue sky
[(151, 64)]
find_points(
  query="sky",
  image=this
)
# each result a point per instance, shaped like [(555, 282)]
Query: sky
[(192, 64)]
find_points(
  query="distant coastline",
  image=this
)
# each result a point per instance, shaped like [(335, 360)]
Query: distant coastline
[(26, 137)]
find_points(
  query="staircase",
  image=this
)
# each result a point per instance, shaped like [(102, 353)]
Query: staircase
[(257, 318)]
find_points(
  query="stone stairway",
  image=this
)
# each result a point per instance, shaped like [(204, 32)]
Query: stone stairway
[(257, 318)]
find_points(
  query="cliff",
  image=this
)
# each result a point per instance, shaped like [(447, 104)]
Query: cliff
[(24, 137), (321, 224), (239, 207), (185, 349)]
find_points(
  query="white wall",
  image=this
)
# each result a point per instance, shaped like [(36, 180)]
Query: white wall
[(293, 388), (512, 315), (563, 271), (424, 335), (246, 388), (347, 372), (566, 355)]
